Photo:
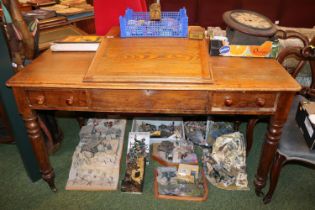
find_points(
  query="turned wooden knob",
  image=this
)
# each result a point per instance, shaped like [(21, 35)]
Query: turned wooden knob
[(260, 102), (228, 101), (40, 100), (69, 100)]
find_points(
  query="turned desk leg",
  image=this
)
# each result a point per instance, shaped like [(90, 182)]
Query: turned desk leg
[(39, 147), (36, 138), (271, 141)]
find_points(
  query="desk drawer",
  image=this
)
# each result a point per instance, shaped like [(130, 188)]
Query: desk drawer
[(149, 101), (244, 101), (57, 98)]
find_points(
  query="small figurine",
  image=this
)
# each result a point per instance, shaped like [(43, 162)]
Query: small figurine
[(155, 11)]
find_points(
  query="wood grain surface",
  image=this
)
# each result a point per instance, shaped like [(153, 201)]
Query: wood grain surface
[(67, 69), (150, 60)]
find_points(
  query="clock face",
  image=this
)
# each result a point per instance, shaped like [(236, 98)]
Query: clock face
[(251, 19)]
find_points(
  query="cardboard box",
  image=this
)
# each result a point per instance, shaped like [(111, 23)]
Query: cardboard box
[(305, 116), (220, 46)]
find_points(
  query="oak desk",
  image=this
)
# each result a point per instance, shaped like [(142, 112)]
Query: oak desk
[(242, 86)]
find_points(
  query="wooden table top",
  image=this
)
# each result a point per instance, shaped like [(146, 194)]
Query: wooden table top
[(68, 69)]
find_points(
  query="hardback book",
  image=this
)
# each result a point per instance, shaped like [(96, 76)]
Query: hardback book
[(77, 43), (72, 2), (66, 10), (39, 14), (52, 22), (41, 2)]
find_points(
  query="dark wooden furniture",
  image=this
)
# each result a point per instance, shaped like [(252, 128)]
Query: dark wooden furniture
[(6, 134), (241, 86), (22, 7), (87, 25), (291, 51), (14, 120), (293, 147)]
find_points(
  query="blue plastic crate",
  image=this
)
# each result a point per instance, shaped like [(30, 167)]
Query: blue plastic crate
[(138, 24)]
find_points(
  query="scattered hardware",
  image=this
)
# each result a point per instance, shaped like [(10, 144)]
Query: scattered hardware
[(225, 166), (186, 183), (216, 129), (195, 131), (160, 129), (96, 160), (137, 153), (172, 153)]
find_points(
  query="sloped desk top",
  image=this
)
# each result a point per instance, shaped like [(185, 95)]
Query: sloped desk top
[(150, 60)]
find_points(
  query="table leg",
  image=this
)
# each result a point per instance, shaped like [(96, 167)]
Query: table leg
[(271, 141), (39, 147), (35, 136)]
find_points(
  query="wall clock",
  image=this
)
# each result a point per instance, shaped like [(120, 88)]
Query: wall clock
[(247, 27), (249, 22)]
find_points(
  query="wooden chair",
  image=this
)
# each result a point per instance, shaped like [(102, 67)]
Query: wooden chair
[(292, 146), (24, 47), (6, 134), (284, 35)]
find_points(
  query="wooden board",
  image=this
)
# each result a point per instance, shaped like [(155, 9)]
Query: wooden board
[(150, 60)]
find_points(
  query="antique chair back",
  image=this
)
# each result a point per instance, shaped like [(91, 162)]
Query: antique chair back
[(292, 146), (22, 45), (291, 53)]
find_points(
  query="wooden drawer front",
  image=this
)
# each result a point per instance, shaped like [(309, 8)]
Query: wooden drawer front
[(55, 98), (149, 101), (242, 101)]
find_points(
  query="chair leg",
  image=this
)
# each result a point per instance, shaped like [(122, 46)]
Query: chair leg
[(50, 142), (81, 121), (250, 134), (237, 124), (274, 175), (51, 130)]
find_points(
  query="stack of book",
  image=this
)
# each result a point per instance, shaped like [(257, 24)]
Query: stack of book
[(39, 14), (72, 2), (73, 12), (52, 22), (41, 2)]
